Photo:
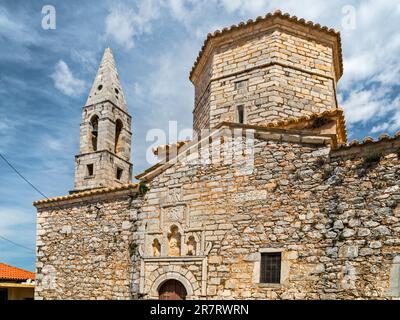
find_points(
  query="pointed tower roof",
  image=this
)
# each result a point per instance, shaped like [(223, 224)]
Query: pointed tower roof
[(106, 85)]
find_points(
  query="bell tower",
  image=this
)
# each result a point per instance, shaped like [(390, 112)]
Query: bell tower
[(105, 132)]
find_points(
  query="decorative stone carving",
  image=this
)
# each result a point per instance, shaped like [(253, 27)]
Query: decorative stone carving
[(175, 195), (156, 248), (171, 196), (173, 214), (191, 246), (174, 242)]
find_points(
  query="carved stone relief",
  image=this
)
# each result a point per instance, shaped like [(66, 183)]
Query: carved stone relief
[(191, 246), (174, 242), (156, 248)]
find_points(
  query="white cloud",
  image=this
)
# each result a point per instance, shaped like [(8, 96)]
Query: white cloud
[(167, 90), (137, 89), (365, 105), (5, 124), (7, 131), (65, 81), (371, 61), (53, 144), (124, 24), (19, 36), (308, 9), (392, 125), (16, 30), (178, 7), (380, 128), (119, 27), (86, 58), (168, 84), (14, 218)]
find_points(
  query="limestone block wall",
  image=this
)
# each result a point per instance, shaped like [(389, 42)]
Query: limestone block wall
[(270, 93), (281, 46), (273, 72), (334, 216), (113, 149), (201, 110), (85, 249)]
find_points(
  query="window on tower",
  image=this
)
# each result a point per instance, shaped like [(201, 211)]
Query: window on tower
[(240, 114), (118, 130), (119, 173), (89, 170), (94, 130), (240, 85)]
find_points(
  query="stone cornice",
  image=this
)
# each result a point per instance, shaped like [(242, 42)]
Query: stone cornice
[(114, 105), (80, 196), (341, 122), (100, 151)]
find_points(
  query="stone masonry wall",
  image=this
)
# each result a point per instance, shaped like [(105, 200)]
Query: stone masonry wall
[(84, 248), (105, 166), (334, 216), (108, 114), (269, 94), (107, 158), (274, 74), (335, 219)]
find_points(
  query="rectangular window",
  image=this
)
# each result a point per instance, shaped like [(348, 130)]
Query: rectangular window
[(270, 268), (119, 173), (89, 170), (240, 114), (240, 84)]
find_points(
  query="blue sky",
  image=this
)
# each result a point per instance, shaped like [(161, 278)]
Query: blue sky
[(45, 76)]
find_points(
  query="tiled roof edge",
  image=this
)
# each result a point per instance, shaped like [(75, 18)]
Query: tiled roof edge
[(279, 14), (87, 193)]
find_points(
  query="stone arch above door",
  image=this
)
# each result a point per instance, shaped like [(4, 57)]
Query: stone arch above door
[(159, 276)]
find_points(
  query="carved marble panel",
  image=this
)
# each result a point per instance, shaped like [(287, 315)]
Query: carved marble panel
[(173, 214)]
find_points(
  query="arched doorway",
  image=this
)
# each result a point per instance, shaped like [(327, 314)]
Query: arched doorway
[(172, 290)]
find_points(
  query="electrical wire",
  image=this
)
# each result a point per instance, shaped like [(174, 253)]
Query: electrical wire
[(16, 244), (25, 179)]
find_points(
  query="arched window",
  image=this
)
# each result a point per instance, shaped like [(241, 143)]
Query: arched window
[(94, 130), (118, 130)]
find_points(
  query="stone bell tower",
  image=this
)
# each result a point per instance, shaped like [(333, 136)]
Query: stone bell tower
[(105, 132)]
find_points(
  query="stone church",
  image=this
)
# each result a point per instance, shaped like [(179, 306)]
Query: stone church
[(268, 201)]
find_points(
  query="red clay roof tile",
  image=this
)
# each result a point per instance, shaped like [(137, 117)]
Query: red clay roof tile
[(8, 272)]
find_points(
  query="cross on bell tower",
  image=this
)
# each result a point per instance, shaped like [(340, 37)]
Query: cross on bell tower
[(105, 132)]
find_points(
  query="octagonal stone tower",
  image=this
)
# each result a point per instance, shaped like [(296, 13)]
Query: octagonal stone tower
[(105, 132), (264, 70)]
